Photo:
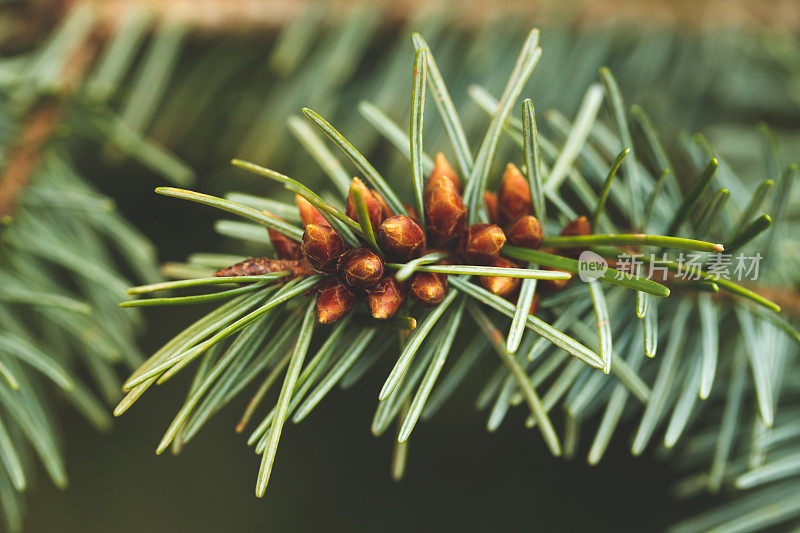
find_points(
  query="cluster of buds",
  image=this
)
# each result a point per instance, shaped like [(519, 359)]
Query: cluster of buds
[(351, 272), (512, 209)]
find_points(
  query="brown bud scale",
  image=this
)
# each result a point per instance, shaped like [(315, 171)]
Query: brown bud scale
[(386, 211), (442, 171), (322, 247), (445, 213), (401, 238), (334, 300), (373, 205), (490, 199), (525, 231), (285, 247), (579, 226), (428, 288), (534, 304), (504, 286), (361, 268), (481, 243), (385, 298), (308, 213), (514, 197), (412, 212)]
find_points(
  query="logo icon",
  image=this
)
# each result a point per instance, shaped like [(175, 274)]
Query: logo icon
[(591, 266)]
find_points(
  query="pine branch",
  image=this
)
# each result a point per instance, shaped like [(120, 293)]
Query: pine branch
[(474, 272), (582, 191)]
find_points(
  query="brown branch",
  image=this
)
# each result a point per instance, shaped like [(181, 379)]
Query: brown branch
[(227, 15), (39, 126), (786, 297), (237, 16), (26, 155)]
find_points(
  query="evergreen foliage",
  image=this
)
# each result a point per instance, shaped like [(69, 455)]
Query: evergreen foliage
[(66, 252), (695, 369)]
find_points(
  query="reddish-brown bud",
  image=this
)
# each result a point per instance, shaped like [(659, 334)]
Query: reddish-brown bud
[(322, 247), (309, 213), (514, 197), (442, 171), (490, 199), (361, 268), (525, 231), (481, 243), (334, 300), (373, 205), (501, 285), (534, 304), (385, 298), (445, 213), (386, 211), (554, 285), (412, 211), (285, 247), (579, 226), (428, 288), (401, 238)]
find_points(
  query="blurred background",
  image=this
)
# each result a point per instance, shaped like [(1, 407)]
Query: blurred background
[(207, 80)]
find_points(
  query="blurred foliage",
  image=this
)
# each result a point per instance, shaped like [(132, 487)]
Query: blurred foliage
[(233, 94), (66, 257)]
